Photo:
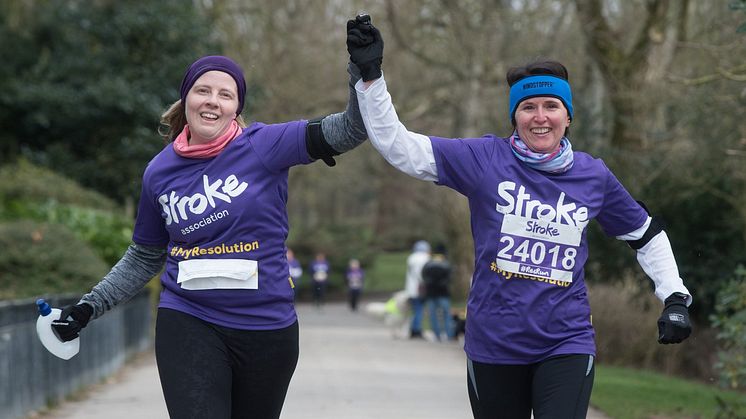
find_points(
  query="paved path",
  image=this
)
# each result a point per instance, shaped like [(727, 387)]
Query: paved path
[(350, 367)]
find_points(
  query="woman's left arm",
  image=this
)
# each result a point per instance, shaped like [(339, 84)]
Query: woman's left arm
[(656, 258), (340, 132)]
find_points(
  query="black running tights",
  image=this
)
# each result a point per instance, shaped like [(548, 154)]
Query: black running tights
[(213, 372), (556, 388)]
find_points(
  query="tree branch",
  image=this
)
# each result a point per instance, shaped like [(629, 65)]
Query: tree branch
[(656, 15), (682, 20), (407, 46), (730, 74), (598, 34)]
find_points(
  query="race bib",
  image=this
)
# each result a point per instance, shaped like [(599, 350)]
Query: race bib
[(540, 248), (207, 274)]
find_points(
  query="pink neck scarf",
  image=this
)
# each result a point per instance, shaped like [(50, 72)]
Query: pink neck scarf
[(206, 150)]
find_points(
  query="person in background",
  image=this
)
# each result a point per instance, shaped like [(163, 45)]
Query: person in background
[(213, 210), (436, 274), (296, 269), (529, 338), (414, 286), (355, 279), (320, 277)]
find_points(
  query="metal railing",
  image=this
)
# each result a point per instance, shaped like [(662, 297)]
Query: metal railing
[(31, 378)]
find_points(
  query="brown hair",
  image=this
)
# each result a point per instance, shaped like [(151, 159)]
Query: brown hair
[(548, 67), (173, 121)]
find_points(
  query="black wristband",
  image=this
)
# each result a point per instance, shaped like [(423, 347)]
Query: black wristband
[(656, 226), (316, 144), (677, 298)]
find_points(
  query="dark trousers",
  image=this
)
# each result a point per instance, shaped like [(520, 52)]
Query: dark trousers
[(319, 289), (213, 372), (354, 298), (558, 387)]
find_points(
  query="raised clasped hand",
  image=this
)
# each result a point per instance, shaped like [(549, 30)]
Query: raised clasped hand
[(365, 45)]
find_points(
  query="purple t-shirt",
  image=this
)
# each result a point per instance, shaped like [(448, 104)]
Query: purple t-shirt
[(229, 207), (319, 270), (296, 270), (355, 278), (528, 299)]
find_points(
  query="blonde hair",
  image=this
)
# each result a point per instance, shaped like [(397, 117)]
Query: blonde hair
[(173, 121)]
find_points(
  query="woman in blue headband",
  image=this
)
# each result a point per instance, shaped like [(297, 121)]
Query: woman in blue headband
[(212, 209), (529, 339)]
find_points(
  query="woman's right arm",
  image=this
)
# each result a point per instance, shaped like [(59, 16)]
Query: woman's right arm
[(138, 265), (408, 151)]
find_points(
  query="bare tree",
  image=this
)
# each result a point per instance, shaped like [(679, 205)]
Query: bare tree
[(631, 58)]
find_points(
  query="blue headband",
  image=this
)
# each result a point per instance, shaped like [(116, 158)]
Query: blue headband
[(543, 85)]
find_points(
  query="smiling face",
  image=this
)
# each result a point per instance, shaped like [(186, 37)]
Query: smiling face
[(211, 106), (541, 123)]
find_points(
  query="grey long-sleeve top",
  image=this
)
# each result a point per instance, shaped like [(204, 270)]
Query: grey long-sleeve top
[(346, 130)]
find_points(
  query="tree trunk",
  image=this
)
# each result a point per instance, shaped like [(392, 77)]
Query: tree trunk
[(624, 69)]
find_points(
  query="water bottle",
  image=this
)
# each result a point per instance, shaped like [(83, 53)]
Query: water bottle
[(48, 338)]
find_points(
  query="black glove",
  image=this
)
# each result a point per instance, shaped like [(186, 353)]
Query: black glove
[(70, 329), (673, 324), (365, 45)]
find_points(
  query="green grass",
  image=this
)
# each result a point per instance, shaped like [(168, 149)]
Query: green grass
[(387, 273), (624, 393)]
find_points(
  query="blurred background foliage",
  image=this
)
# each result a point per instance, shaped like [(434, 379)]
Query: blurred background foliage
[(730, 320), (44, 259), (31, 193), (659, 86), (85, 81), (55, 236)]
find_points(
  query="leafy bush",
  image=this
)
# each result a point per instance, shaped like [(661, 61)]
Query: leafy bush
[(41, 259), (25, 182), (103, 54), (107, 233), (625, 319), (730, 320), (30, 192)]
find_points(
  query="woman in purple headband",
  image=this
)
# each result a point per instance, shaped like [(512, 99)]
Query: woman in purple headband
[(213, 210), (529, 339)]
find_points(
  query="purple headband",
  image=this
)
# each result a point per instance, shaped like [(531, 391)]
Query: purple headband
[(214, 63)]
